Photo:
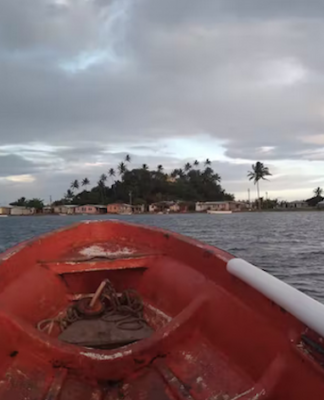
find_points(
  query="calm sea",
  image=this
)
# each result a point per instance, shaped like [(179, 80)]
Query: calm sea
[(288, 245)]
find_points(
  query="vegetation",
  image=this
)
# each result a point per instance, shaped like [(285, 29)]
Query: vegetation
[(38, 204), (85, 182), (147, 186), (313, 201), (75, 184), (318, 192), (259, 171)]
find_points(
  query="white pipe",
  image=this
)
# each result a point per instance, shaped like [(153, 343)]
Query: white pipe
[(301, 306)]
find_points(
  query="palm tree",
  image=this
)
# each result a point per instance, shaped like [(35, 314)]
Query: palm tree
[(102, 186), (111, 172), (75, 184), (318, 192), (69, 195), (122, 168), (187, 167), (145, 167), (128, 158), (259, 171), (207, 162), (85, 182), (103, 178), (196, 163), (160, 168), (174, 173), (181, 173), (216, 177)]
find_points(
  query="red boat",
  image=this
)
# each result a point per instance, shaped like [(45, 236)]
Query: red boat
[(109, 310)]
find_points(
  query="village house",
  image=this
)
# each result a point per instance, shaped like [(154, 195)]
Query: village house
[(168, 206), (18, 211), (161, 206), (119, 208), (220, 206), (4, 210), (65, 209), (175, 207), (212, 206), (320, 205), (138, 209), (91, 209), (297, 204), (47, 210)]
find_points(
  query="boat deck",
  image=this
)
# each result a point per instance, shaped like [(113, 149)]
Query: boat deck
[(207, 343)]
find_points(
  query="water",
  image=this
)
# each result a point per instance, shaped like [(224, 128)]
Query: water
[(286, 244)]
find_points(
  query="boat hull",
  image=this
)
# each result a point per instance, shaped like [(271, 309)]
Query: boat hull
[(218, 212), (218, 331)]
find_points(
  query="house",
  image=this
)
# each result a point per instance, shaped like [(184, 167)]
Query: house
[(320, 204), (161, 206), (18, 211), (91, 209), (168, 206), (297, 204), (239, 206), (68, 209), (138, 209), (47, 210), (4, 210), (175, 207), (221, 206), (213, 206), (153, 208), (119, 208)]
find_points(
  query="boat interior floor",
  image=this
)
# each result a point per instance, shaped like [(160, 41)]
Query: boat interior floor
[(198, 339)]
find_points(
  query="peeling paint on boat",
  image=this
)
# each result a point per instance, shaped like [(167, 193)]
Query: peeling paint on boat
[(243, 394), (98, 251), (159, 313), (257, 396), (220, 396), (188, 357), (201, 382), (98, 356)]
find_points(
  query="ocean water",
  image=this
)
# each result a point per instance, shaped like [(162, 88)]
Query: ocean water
[(288, 245)]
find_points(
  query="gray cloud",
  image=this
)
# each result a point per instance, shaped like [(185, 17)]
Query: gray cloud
[(90, 77), (16, 165)]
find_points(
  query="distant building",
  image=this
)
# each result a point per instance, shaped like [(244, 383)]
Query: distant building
[(138, 209), (161, 206), (5, 210), (212, 206), (175, 207), (68, 209), (297, 204), (47, 210), (168, 206), (320, 204), (17, 211), (91, 209), (221, 206), (119, 208)]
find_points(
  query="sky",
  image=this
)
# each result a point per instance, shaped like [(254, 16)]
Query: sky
[(85, 82)]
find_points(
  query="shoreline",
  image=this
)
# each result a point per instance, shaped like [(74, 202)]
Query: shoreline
[(171, 213)]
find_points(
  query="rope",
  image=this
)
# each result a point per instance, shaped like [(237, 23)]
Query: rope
[(124, 309)]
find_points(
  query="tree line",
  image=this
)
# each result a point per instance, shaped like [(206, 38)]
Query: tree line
[(145, 186), (193, 182)]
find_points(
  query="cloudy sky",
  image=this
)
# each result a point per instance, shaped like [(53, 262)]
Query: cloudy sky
[(84, 82)]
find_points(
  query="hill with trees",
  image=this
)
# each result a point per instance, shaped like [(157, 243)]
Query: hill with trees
[(145, 186)]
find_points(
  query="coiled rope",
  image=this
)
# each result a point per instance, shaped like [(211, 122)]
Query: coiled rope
[(124, 309)]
